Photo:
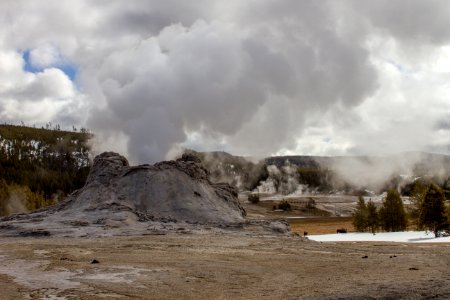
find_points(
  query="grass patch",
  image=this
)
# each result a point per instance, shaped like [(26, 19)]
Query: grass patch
[(321, 225)]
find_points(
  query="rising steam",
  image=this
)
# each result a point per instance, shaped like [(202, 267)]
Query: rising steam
[(248, 77)]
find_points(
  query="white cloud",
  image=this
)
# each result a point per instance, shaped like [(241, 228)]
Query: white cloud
[(255, 77), (34, 98), (45, 56), (403, 115)]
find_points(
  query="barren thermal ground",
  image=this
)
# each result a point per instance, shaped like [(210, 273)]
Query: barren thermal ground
[(224, 149), (220, 266)]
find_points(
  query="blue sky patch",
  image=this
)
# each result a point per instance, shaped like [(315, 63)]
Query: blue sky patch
[(69, 69)]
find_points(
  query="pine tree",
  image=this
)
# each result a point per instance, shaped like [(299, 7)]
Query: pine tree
[(432, 211), (417, 195), (360, 215), (392, 213), (372, 217)]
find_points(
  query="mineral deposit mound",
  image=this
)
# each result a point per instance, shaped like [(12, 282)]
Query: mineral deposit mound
[(171, 190), (117, 195)]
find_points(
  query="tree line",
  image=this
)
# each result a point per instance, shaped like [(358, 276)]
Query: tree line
[(428, 211), (40, 166)]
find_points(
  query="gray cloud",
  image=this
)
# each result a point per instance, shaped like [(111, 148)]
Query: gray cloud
[(415, 21), (253, 77), (228, 78), (443, 124)]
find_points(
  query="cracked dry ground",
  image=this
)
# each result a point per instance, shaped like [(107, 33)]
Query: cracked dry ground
[(220, 266)]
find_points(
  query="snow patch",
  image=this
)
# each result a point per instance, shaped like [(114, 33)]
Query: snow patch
[(399, 237)]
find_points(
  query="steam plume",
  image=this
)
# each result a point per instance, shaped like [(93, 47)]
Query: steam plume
[(251, 78)]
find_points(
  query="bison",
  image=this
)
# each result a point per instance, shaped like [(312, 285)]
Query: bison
[(341, 230)]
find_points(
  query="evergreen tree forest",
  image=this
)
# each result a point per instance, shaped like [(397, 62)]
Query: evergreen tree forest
[(40, 166), (428, 211)]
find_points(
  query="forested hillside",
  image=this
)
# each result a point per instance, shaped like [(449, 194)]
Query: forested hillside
[(38, 167), (331, 174)]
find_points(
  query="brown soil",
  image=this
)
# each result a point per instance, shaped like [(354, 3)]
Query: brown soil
[(298, 220), (320, 225), (220, 266)]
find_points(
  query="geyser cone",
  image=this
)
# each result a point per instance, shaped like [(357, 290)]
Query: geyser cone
[(170, 191)]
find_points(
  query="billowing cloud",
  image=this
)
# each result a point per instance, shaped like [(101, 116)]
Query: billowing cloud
[(45, 56), (254, 77), (240, 83), (34, 98), (418, 22)]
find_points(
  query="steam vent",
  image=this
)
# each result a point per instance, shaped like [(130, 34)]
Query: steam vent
[(132, 199), (171, 190)]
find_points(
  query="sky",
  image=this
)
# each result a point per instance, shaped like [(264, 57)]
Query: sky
[(254, 78)]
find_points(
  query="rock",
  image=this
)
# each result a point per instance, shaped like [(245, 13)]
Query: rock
[(280, 227), (35, 233), (190, 157), (105, 167), (117, 195), (170, 191)]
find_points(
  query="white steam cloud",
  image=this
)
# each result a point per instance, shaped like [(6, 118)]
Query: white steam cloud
[(250, 77)]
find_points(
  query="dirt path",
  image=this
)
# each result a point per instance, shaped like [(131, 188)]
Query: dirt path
[(218, 266)]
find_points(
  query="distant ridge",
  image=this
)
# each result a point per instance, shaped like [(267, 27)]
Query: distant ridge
[(332, 173)]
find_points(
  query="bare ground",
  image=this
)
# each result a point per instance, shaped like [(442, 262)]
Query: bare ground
[(220, 266)]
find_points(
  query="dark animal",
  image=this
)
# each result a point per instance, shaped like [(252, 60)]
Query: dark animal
[(305, 233), (341, 230)]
